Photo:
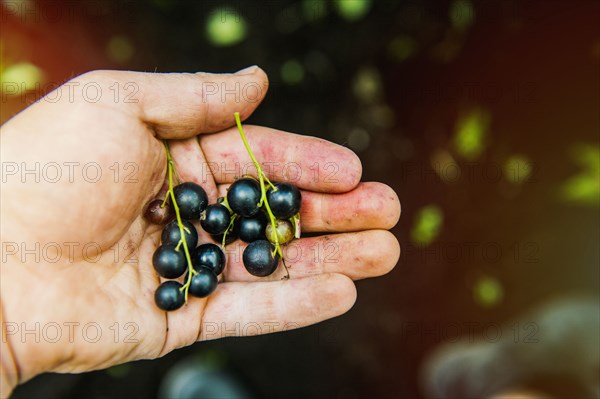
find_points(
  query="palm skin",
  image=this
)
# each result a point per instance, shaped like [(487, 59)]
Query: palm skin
[(110, 294)]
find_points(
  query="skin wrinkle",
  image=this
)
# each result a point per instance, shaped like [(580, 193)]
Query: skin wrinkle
[(128, 297), (187, 167), (205, 111), (163, 350), (320, 211), (263, 143), (199, 334), (226, 308), (204, 106), (308, 263), (10, 365), (204, 165)]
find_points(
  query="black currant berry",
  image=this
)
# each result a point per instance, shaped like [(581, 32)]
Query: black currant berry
[(157, 214), (215, 219), (243, 197), (203, 283), (258, 258), (211, 256), (253, 228), (283, 229), (168, 295), (169, 262), (171, 234), (285, 202), (191, 199)]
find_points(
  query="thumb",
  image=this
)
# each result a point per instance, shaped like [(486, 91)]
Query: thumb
[(182, 105)]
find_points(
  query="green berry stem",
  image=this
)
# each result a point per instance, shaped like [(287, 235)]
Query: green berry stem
[(223, 201), (231, 222), (261, 178), (271, 217), (261, 174), (182, 228), (296, 223)]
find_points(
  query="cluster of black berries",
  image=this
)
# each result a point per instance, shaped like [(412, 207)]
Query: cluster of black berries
[(247, 215), (265, 219), (242, 214), (170, 258)]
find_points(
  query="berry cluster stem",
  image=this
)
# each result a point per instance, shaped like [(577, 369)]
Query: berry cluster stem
[(261, 178), (182, 229)]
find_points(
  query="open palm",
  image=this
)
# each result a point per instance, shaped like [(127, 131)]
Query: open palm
[(89, 292)]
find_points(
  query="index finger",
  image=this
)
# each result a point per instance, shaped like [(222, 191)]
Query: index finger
[(308, 162)]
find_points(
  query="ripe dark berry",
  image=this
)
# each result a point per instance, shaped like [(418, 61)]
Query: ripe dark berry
[(253, 228), (283, 229), (169, 262), (243, 197), (191, 199), (203, 283), (258, 258), (171, 234), (286, 201), (215, 219), (209, 255), (157, 214), (168, 295)]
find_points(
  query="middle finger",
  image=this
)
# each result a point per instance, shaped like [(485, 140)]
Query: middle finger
[(359, 255), (370, 205)]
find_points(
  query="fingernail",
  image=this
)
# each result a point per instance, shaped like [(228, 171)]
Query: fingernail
[(247, 71)]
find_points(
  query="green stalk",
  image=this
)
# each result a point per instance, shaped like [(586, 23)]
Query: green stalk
[(261, 178), (182, 229)]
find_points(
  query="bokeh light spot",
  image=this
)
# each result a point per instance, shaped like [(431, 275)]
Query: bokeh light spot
[(444, 165), (382, 116), (471, 132), (289, 20), (319, 64), (359, 139), (427, 226), (353, 10), (488, 292), (367, 85), (448, 49), (21, 77), (517, 169), (120, 49), (402, 48), (225, 27), (462, 14), (584, 187), (314, 10), (292, 72)]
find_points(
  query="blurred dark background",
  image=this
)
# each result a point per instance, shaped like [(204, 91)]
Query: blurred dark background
[(482, 115)]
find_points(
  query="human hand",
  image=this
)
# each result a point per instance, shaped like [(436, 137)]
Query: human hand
[(86, 286)]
